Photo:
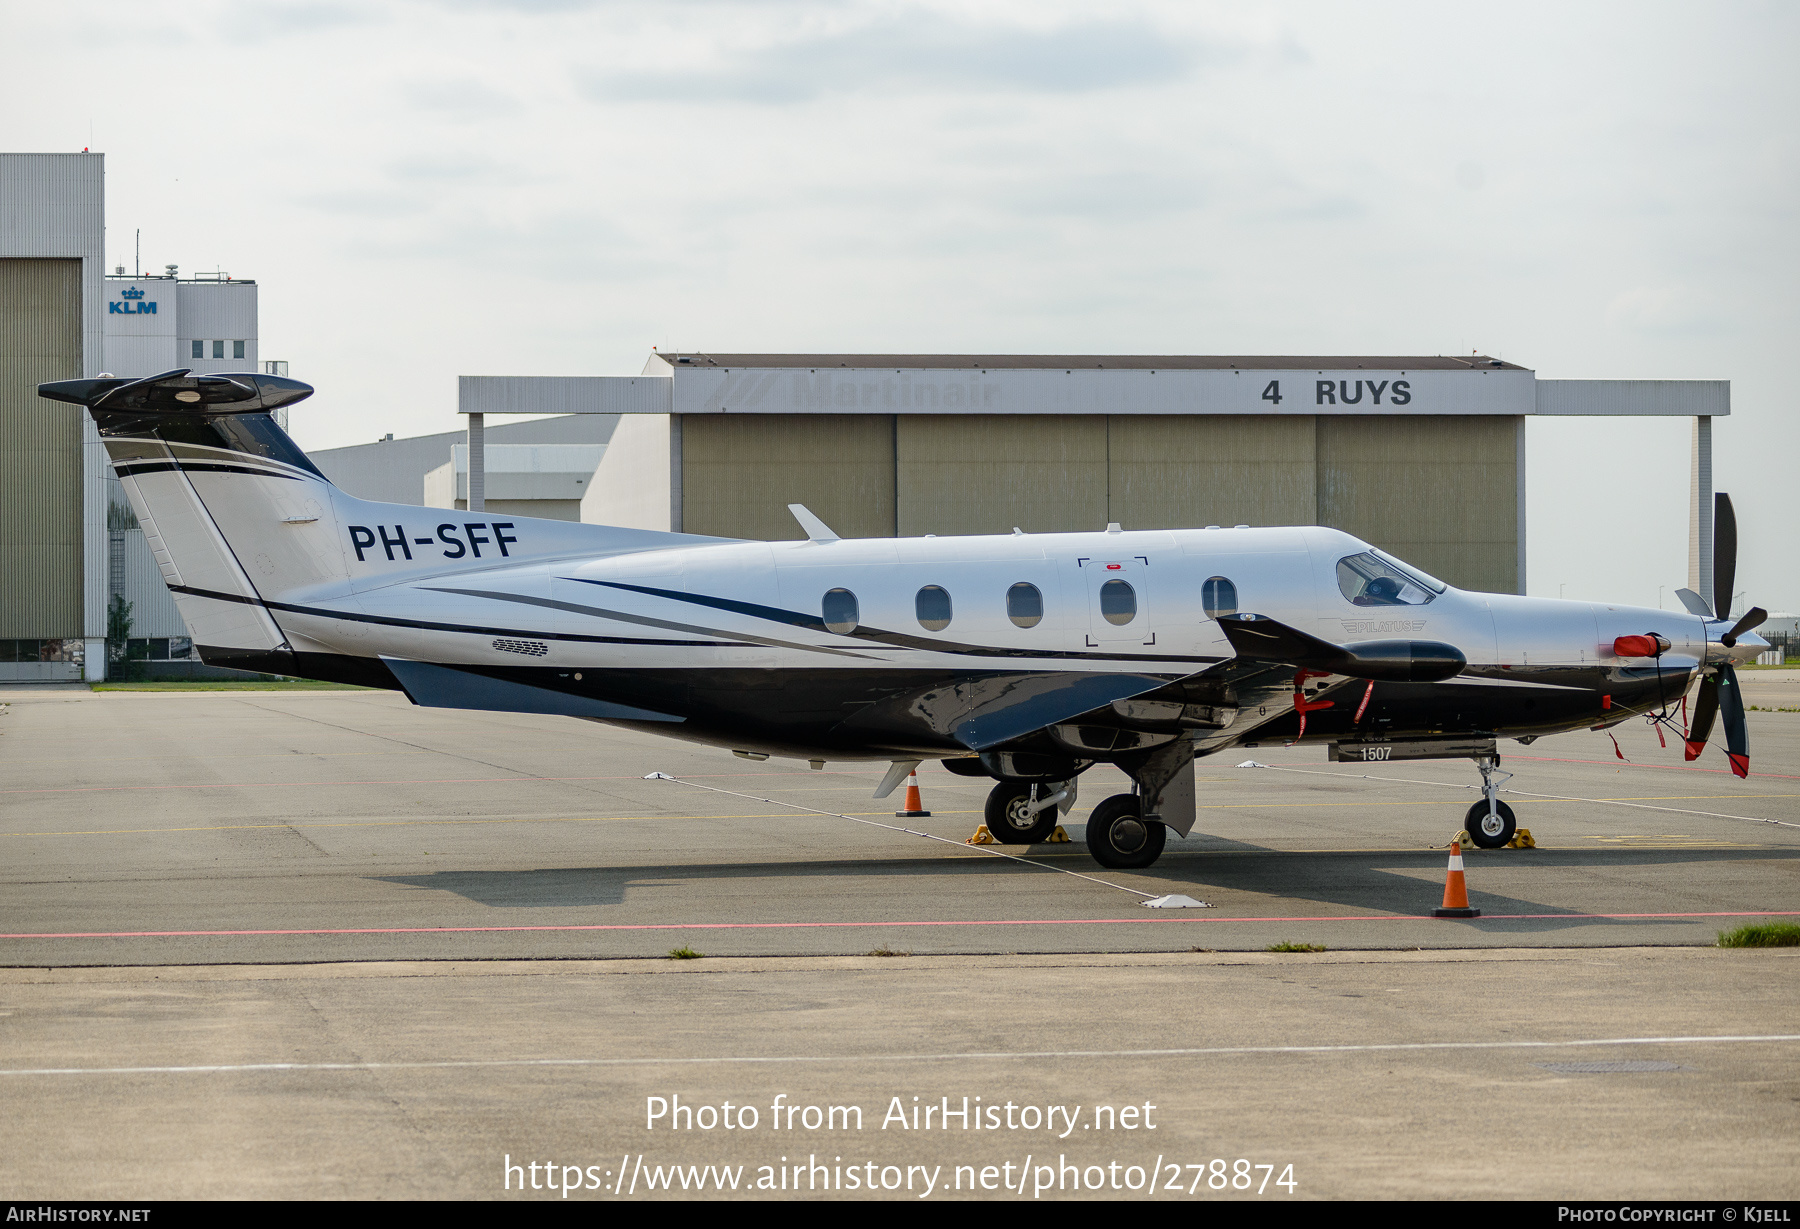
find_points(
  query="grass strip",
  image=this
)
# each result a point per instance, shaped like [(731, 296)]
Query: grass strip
[(1762, 934)]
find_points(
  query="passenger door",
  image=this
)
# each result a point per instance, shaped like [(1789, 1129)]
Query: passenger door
[(1117, 593)]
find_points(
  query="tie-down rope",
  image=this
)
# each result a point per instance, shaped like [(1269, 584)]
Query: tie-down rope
[(663, 776)]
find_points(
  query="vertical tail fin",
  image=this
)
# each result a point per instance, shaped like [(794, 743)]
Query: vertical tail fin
[(257, 545), (165, 433)]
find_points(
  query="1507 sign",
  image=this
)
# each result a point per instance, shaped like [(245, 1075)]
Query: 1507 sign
[(1349, 392)]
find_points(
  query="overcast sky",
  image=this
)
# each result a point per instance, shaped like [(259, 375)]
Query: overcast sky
[(427, 188)]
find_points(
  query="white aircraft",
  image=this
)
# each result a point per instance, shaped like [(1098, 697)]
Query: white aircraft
[(1026, 658)]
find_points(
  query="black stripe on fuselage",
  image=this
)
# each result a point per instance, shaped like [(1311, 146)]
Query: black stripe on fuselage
[(423, 625), (899, 640)]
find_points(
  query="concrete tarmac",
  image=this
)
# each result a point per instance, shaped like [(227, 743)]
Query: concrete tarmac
[(270, 944), (1642, 1074), (153, 828)]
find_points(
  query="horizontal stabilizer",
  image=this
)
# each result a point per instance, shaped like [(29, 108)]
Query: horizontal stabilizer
[(1259, 638), (431, 686), (181, 392)]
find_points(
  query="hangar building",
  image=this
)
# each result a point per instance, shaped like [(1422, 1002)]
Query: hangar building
[(1423, 456), (70, 548)]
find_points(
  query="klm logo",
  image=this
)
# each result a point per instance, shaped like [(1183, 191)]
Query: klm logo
[(133, 304)]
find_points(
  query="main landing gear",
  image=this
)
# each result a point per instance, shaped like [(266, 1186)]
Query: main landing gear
[(1025, 812), (1120, 838), (1490, 822), (1126, 831)]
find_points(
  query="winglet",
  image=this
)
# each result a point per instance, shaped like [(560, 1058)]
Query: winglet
[(816, 529)]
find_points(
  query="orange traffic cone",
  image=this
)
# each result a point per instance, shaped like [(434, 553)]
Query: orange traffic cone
[(1456, 895), (915, 805)]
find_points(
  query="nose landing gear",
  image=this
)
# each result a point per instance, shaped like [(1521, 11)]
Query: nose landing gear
[(1024, 813), (1490, 823)]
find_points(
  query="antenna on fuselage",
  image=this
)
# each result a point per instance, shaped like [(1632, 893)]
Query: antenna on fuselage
[(816, 529)]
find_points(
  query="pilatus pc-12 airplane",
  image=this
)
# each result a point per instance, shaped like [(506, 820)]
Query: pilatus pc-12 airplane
[(1025, 658)]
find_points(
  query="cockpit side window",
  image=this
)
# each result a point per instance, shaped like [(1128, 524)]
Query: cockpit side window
[(1368, 580), (1410, 572)]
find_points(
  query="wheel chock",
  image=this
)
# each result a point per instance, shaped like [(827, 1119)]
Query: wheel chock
[(1462, 841), (1521, 840), (984, 837), (1456, 893)]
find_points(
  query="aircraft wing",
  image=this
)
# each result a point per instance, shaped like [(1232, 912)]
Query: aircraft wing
[(983, 711)]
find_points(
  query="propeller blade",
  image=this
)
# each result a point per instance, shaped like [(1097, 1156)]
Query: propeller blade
[(1752, 618), (1737, 733), (1724, 554), (1706, 708)]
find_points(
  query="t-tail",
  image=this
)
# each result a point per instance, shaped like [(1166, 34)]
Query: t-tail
[(246, 530)]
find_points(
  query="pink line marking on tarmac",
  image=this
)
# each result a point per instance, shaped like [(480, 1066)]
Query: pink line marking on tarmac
[(1094, 921)]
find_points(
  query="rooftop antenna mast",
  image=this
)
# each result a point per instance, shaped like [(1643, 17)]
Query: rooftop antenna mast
[(137, 255)]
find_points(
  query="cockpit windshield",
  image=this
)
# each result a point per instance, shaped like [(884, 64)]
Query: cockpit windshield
[(1376, 579)]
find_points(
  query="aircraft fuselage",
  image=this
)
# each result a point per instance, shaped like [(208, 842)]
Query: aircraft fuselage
[(734, 637)]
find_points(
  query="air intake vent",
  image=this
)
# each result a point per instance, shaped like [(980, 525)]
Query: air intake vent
[(531, 648)]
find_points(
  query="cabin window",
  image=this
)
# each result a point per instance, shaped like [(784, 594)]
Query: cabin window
[(1218, 596), (1118, 602), (1373, 579), (840, 611), (933, 608), (1024, 605)]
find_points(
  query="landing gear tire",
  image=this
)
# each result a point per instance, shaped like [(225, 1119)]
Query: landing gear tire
[(1490, 831), (1120, 838), (1009, 821)]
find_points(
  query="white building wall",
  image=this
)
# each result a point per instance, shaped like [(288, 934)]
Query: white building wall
[(218, 315), (390, 471), (445, 488), (544, 480), (140, 320), (152, 324), (638, 482)]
